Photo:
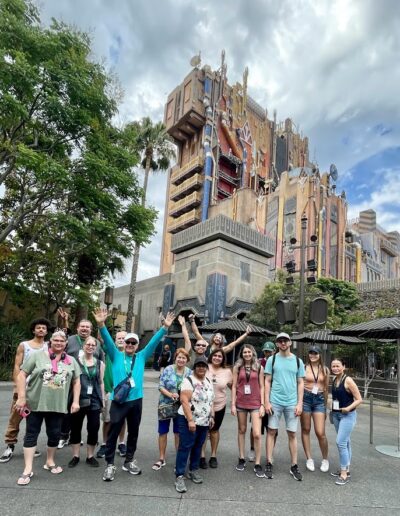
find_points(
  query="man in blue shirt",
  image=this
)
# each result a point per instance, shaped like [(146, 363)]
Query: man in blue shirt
[(284, 387), (131, 408)]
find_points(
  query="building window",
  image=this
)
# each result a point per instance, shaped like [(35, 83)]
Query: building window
[(245, 272), (193, 269)]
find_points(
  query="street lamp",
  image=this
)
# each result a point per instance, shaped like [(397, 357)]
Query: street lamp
[(108, 297), (114, 315)]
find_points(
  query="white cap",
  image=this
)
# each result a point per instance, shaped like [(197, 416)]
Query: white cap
[(282, 335), (130, 336)]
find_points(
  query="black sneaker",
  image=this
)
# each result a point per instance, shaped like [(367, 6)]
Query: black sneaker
[(203, 463), (268, 470), (259, 471), (122, 449), (241, 465), (92, 462), (213, 463), (101, 452), (73, 462), (337, 473), (294, 471)]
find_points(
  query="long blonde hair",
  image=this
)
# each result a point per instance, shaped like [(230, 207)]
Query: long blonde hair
[(254, 360)]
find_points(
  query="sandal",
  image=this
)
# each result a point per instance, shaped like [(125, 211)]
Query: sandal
[(55, 470), (24, 479), (158, 465)]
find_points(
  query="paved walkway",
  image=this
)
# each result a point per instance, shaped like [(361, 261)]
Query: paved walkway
[(374, 488)]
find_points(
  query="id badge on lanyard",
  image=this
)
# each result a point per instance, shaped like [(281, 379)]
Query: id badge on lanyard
[(315, 389), (335, 405), (90, 390), (132, 382), (247, 389)]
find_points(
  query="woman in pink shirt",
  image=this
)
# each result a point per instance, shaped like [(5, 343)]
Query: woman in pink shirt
[(221, 377), (247, 398)]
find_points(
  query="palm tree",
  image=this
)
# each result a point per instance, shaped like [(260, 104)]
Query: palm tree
[(156, 148)]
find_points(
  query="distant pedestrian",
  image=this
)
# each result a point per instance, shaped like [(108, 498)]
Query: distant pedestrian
[(164, 359), (345, 399)]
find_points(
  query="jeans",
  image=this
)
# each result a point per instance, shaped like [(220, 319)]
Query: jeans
[(190, 443), (92, 425), (34, 422), (132, 412), (344, 424)]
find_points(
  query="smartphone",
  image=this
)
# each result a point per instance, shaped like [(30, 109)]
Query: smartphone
[(24, 412)]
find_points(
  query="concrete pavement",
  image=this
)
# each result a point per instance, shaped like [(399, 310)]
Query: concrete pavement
[(374, 488)]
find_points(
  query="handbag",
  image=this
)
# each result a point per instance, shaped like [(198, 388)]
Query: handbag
[(168, 410), (121, 391)]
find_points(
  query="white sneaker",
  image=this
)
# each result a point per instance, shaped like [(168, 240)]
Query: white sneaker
[(324, 466), (251, 456), (61, 444), (310, 465)]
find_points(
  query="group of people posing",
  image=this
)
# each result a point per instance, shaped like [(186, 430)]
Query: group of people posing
[(62, 386)]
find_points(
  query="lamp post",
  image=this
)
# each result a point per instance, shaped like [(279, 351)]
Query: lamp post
[(302, 271), (114, 315), (108, 297)]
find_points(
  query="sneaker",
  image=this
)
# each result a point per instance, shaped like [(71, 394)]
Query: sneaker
[(8, 453), (73, 462), (131, 467), (259, 471), (252, 456), (195, 477), (101, 452), (241, 465), (37, 453), (92, 462), (109, 473), (340, 481), (268, 470), (203, 463), (62, 443), (122, 449), (294, 471), (324, 466), (213, 463), (337, 473), (310, 465), (180, 485)]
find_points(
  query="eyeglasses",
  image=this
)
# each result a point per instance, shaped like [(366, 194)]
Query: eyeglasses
[(91, 345), (201, 345), (131, 342), (282, 341)]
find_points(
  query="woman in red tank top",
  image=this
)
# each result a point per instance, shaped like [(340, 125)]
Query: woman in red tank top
[(247, 398)]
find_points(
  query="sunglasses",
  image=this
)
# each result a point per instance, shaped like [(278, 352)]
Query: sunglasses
[(282, 340), (131, 342), (201, 345)]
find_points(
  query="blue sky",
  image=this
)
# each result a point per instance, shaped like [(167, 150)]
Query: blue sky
[(330, 65)]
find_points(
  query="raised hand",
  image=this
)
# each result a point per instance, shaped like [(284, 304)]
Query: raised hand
[(181, 320), (100, 314), (248, 330), (169, 319)]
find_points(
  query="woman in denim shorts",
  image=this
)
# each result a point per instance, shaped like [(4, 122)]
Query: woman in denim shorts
[(316, 384)]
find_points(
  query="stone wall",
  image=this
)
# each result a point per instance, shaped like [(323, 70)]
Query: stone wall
[(379, 295)]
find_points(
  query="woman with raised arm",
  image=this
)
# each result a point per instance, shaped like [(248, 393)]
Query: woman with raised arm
[(91, 402), (45, 398), (316, 384), (217, 340), (127, 396), (248, 398), (345, 399), (199, 347)]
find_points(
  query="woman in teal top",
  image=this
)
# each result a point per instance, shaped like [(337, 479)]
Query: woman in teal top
[(129, 364)]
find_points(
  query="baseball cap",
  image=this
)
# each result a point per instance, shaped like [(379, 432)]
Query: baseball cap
[(315, 349), (131, 336), (200, 360), (268, 346), (282, 335)]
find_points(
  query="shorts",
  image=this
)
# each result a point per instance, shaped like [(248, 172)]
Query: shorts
[(313, 403), (248, 410), (105, 413), (290, 419), (218, 418), (163, 426)]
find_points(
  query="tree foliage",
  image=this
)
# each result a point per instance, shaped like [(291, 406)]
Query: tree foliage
[(71, 209)]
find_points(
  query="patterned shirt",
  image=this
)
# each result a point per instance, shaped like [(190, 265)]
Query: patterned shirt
[(171, 381)]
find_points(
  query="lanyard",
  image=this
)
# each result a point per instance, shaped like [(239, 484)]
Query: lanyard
[(248, 374), (128, 370), (90, 374), (78, 338), (315, 377)]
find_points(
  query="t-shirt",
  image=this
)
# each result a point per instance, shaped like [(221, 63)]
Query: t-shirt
[(219, 377), (121, 363), (48, 392), (75, 344), (202, 399), (284, 382)]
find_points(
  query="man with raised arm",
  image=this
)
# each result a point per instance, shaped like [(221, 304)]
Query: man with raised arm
[(128, 365)]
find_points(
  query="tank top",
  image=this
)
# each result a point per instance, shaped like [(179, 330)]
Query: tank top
[(339, 393), (28, 349), (250, 401)]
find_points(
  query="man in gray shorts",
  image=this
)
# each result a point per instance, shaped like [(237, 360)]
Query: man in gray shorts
[(284, 387)]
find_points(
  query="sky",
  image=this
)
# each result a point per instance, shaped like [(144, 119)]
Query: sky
[(330, 65)]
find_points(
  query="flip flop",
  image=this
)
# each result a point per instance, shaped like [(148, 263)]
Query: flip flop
[(24, 479), (158, 465), (55, 470)]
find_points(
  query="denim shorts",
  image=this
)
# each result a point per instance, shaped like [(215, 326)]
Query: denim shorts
[(313, 402), (290, 419)]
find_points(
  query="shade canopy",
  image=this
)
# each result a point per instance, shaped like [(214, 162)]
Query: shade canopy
[(385, 328), (235, 326), (322, 336)]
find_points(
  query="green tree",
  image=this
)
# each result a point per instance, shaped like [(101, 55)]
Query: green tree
[(72, 205), (157, 151)]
